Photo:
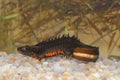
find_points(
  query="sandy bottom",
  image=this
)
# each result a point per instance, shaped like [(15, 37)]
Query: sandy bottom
[(20, 67)]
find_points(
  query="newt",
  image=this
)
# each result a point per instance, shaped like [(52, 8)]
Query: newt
[(65, 45)]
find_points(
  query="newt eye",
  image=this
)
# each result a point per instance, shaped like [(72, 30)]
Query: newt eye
[(26, 48), (23, 49)]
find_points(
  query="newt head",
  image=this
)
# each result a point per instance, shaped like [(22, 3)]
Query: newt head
[(27, 50)]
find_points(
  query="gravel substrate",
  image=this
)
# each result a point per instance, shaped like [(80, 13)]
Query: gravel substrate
[(20, 67)]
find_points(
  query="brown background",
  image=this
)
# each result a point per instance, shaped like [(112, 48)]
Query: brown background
[(94, 22)]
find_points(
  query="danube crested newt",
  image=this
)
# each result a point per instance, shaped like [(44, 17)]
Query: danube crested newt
[(65, 45)]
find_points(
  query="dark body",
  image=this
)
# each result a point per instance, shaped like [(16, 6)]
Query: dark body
[(64, 45)]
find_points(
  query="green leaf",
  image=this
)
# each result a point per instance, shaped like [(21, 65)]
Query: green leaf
[(89, 6), (66, 30), (9, 16)]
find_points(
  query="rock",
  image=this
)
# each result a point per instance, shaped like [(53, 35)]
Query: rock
[(57, 68)]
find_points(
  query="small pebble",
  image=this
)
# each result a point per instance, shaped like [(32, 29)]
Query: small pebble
[(66, 74), (3, 53)]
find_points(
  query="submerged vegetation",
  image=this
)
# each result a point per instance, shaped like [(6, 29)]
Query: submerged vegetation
[(30, 21)]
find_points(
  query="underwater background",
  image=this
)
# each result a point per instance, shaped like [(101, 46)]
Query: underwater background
[(28, 22), (93, 22)]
